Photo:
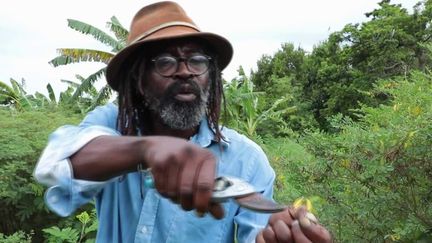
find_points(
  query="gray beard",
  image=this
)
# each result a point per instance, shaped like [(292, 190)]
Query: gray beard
[(178, 114)]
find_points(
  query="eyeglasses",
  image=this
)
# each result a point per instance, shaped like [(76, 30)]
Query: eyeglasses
[(166, 66)]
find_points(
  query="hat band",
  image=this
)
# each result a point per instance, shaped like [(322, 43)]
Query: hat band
[(164, 25)]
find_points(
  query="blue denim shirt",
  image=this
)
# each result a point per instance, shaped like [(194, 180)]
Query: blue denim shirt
[(125, 216)]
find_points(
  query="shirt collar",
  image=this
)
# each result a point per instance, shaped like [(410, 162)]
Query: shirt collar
[(205, 136)]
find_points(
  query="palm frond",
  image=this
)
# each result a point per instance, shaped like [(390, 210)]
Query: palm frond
[(4, 99), (6, 90), (119, 31), (102, 97), (41, 99), (95, 32), (66, 95), (75, 55), (87, 84), (16, 86), (79, 77), (24, 99), (72, 84), (51, 93)]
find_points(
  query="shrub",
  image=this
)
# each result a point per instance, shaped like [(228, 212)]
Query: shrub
[(376, 175), (23, 135)]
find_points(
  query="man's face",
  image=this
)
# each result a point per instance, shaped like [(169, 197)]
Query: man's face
[(175, 88)]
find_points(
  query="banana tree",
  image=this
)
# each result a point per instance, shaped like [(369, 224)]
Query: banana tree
[(244, 110), (82, 97), (15, 95), (76, 55)]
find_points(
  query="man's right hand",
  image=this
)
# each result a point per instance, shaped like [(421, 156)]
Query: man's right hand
[(183, 172)]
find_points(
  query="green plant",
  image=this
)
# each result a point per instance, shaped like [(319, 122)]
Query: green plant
[(23, 135), (377, 173), (17, 237), (86, 232), (83, 96), (245, 111)]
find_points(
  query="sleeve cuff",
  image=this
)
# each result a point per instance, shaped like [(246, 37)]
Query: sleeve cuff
[(65, 193)]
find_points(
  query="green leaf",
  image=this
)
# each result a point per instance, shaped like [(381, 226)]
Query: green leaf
[(74, 55), (51, 93), (119, 31), (95, 32)]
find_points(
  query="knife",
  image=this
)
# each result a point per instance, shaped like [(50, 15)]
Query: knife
[(243, 193)]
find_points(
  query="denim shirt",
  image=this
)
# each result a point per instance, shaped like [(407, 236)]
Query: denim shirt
[(125, 215)]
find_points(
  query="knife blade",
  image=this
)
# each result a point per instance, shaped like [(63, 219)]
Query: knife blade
[(243, 193)]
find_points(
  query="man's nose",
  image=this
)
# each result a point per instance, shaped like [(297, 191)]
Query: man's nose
[(183, 70)]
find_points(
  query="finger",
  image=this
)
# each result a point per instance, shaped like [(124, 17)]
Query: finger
[(216, 210), (297, 233), (313, 231), (173, 172), (186, 183), (311, 217), (204, 183), (282, 232), (159, 179), (260, 237), (299, 212), (269, 235), (285, 216)]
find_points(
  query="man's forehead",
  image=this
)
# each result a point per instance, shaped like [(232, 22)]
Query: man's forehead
[(183, 45), (188, 46)]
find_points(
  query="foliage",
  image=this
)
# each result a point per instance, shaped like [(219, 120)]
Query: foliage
[(15, 95), (84, 96), (245, 111), (68, 234), (24, 128), (288, 158), (17, 237), (23, 135), (283, 75), (377, 173), (334, 77), (360, 117)]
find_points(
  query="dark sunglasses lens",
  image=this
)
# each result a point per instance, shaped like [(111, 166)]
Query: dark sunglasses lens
[(166, 65)]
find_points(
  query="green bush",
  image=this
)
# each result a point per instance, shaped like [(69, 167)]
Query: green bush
[(17, 237), (375, 175), (23, 135)]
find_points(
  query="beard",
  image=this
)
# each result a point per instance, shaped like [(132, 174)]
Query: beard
[(176, 114)]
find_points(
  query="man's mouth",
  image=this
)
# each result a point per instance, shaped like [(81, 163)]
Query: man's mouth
[(185, 96)]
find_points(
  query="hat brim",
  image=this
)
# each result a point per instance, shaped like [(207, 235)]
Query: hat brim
[(218, 43)]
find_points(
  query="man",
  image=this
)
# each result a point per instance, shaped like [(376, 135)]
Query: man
[(166, 125)]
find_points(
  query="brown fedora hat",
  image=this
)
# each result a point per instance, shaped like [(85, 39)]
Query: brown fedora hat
[(158, 22)]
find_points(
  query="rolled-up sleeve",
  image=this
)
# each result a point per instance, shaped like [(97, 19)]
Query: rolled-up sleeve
[(65, 193)]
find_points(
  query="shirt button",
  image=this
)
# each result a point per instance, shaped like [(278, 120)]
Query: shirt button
[(144, 230)]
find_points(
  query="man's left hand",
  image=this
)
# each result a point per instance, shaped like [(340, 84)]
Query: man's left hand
[(293, 225)]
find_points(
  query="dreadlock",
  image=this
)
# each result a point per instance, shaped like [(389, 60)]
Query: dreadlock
[(134, 117)]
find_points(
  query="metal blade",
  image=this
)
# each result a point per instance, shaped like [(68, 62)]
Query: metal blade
[(256, 202), (227, 187)]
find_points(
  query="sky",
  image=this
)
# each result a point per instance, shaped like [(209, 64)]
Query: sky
[(32, 30)]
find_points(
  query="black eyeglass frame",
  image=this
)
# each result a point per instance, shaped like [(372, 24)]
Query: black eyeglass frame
[(178, 61)]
